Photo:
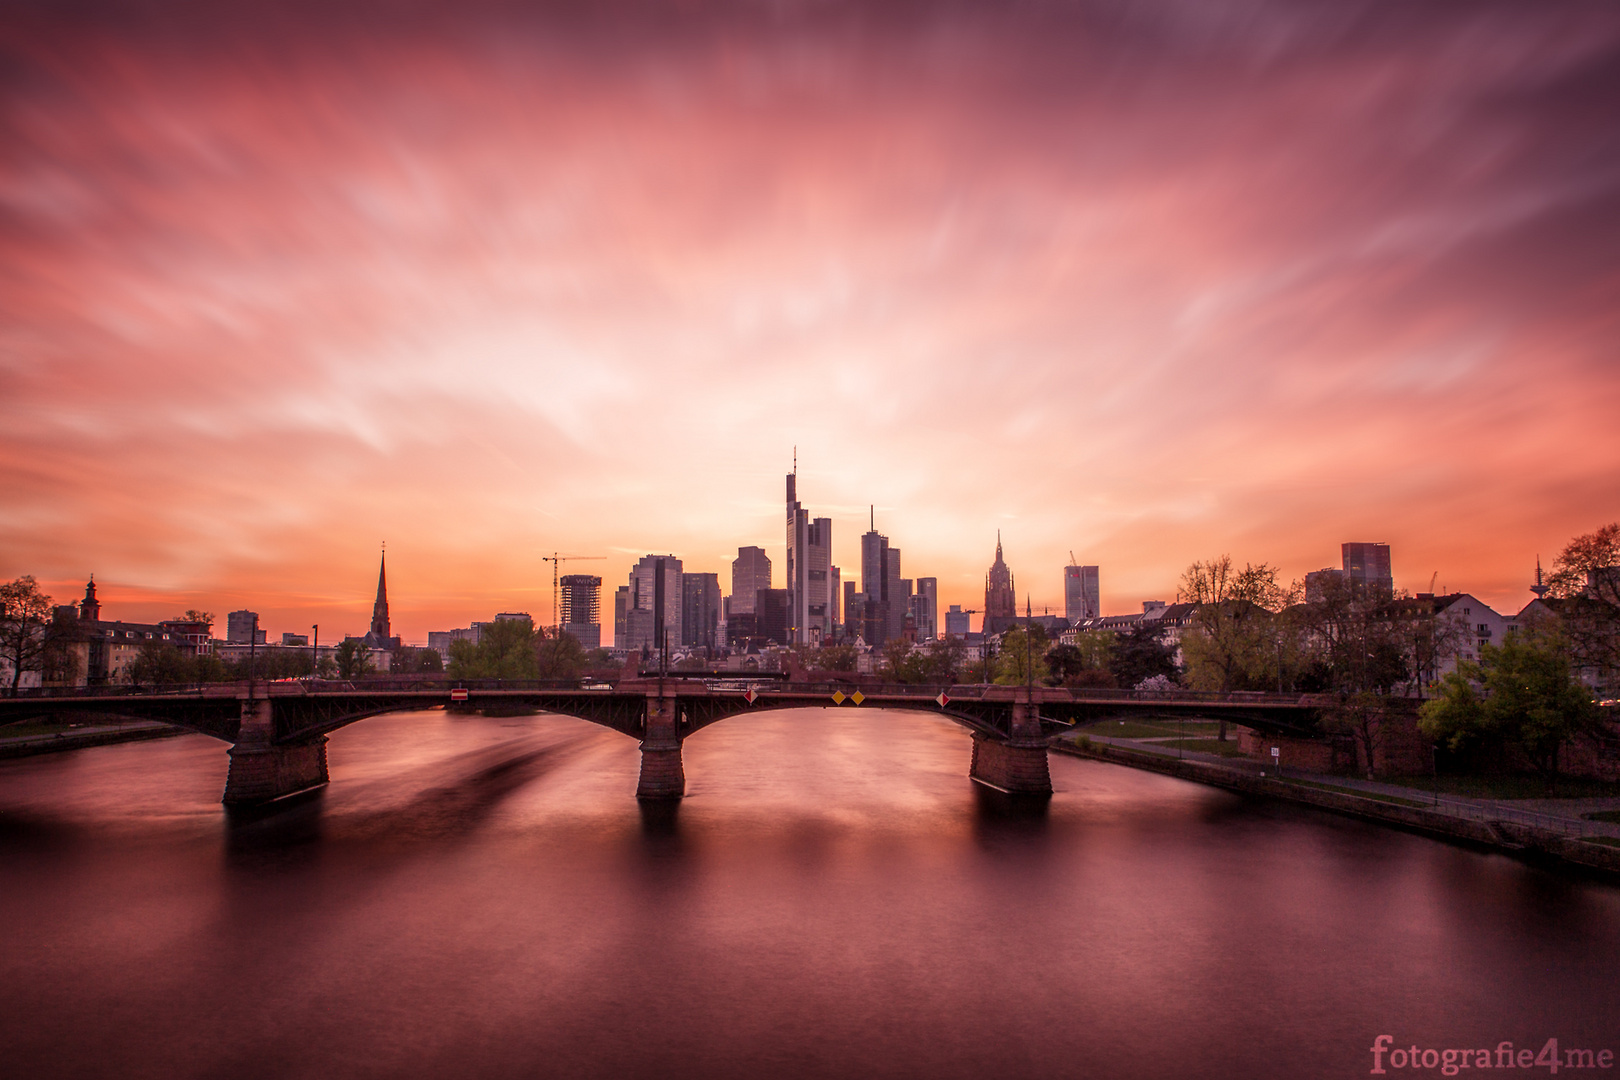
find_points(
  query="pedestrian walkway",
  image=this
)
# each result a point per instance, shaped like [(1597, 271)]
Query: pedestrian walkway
[(1562, 816)]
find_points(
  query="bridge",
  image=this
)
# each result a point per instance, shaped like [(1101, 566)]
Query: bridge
[(278, 730)]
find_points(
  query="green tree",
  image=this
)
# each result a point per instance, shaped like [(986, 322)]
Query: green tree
[(836, 658), (1142, 654), (903, 662), (353, 658), (561, 656), (945, 658), (1233, 642), (1522, 693), (506, 649), (409, 660), (1022, 656), (25, 613), (160, 663)]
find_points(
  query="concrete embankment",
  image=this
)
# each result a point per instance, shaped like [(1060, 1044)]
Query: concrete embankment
[(78, 740), (1509, 837)]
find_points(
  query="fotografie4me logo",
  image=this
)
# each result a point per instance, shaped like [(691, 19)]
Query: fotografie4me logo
[(1387, 1056)]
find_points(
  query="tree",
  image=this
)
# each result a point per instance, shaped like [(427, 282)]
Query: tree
[(25, 612), (1233, 637), (506, 649), (1022, 656), (1143, 654), (945, 659), (560, 655), (1522, 693), (1584, 595), (193, 615), (904, 662), (159, 663), (353, 658), (409, 660)]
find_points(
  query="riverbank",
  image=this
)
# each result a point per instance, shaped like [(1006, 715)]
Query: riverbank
[(69, 737), (1523, 834)]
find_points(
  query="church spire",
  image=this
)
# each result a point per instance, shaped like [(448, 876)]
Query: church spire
[(379, 610)]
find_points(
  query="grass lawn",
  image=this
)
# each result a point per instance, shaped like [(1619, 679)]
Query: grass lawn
[(1609, 840), (1510, 787), (1605, 815), (1150, 729), (1229, 748), (1373, 795)]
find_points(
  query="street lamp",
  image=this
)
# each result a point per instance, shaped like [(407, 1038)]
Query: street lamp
[(315, 651)]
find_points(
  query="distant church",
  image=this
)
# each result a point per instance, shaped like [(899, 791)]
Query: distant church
[(378, 637), (1000, 598)]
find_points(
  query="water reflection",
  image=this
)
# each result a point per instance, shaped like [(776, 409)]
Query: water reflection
[(835, 898)]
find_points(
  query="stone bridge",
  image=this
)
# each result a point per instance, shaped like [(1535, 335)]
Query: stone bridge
[(278, 730)]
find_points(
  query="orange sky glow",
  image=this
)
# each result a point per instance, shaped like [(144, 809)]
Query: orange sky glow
[(1149, 282)]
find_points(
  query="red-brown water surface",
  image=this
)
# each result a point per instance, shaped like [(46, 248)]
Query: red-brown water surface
[(484, 897)]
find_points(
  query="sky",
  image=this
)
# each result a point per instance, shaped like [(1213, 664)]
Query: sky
[(1148, 282)]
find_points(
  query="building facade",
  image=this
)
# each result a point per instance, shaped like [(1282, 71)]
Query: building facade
[(1082, 596), (1000, 595), (809, 572), (580, 608), (655, 591), (750, 572), (1368, 566), (700, 610)]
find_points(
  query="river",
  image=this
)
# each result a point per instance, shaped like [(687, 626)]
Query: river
[(484, 897)]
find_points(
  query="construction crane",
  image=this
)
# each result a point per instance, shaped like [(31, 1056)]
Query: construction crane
[(556, 561)]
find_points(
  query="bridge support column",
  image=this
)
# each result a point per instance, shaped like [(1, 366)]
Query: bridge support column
[(662, 774), (1016, 765), (261, 769)]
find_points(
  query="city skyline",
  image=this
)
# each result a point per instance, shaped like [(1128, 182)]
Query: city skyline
[(281, 288)]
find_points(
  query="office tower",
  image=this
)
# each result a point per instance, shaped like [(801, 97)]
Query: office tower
[(925, 607), (1367, 566), (580, 609), (809, 560), (655, 591), (1000, 598), (771, 611), (1082, 598), (854, 604), (700, 610), (239, 628), (621, 612), (1319, 582), (956, 621), (835, 601), (882, 613), (750, 572)]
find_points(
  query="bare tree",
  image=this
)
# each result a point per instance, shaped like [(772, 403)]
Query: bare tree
[(1233, 633), (25, 614)]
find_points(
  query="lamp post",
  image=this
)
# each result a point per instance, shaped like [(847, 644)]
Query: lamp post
[(253, 651), (315, 651)]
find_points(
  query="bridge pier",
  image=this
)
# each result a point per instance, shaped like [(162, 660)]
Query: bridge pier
[(1016, 765), (261, 769), (662, 774)]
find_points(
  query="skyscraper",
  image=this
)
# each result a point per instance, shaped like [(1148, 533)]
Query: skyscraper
[(581, 609), (925, 606), (809, 563), (1367, 565), (653, 603), (700, 610), (1081, 597), (1000, 597), (882, 614), (750, 572)]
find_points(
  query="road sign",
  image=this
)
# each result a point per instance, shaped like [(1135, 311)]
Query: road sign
[(1275, 752), (838, 697), (942, 699), (857, 697), (458, 694), (749, 696)]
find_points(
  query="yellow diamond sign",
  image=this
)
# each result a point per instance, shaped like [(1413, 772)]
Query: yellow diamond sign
[(838, 697), (857, 697)]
